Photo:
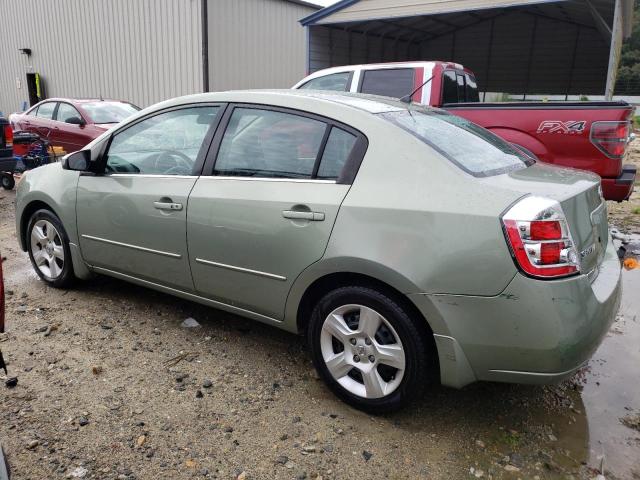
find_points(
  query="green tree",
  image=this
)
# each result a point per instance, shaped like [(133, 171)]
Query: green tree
[(628, 80)]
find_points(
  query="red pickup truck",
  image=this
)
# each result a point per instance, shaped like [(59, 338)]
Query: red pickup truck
[(587, 135)]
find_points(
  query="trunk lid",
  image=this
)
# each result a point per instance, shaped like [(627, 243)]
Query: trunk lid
[(578, 193)]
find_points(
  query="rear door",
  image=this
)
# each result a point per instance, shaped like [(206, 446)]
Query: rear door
[(265, 211), (132, 220), (42, 122)]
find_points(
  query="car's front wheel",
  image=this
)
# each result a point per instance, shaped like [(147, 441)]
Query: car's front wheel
[(368, 349), (49, 249)]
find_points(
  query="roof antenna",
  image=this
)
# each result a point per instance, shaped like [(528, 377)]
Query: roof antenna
[(407, 98)]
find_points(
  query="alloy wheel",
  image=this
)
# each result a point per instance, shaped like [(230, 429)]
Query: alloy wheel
[(47, 249), (362, 351)]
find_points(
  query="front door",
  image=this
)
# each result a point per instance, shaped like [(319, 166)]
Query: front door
[(66, 132), (266, 211), (132, 219)]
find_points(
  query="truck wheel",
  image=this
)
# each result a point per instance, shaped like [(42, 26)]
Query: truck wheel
[(8, 182), (368, 350), (49, 249)]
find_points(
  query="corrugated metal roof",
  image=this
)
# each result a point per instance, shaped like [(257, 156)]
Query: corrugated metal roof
[(366, 10)]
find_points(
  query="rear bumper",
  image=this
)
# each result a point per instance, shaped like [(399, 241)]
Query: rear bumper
[(534, 332), (620, 189)]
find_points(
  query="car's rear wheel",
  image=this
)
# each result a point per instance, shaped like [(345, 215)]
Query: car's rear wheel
[(368, 349), (7, 181), (49, 249)]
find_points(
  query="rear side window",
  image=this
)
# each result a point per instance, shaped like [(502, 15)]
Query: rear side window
[(391, 82), (449, 87), (46, 110), (266, 143), (474, 149), (336, 153), (337, 82)]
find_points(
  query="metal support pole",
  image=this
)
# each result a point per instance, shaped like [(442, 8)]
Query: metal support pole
[(204, 26)]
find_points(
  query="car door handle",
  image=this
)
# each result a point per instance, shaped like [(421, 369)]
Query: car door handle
[(302, 215), (167, 206)]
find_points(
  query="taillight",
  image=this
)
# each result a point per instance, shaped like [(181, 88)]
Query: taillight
[(8, 136), (610, 138), (537, 233)]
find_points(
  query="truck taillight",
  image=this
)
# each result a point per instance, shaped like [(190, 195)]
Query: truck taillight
[(611, 138), (8, 136), (537, 233)]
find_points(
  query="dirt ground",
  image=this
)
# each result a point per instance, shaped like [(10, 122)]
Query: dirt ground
[(111, 386)]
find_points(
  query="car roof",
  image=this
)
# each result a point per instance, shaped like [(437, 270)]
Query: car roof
[(367, 103), (85, 100)]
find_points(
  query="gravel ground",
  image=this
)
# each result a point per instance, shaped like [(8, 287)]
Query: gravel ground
[(111, 386)]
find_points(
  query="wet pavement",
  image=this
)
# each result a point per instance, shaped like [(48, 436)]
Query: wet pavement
[(612, 383)]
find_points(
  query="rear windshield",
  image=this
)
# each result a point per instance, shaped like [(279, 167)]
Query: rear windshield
[(471, 147), (109, 112)]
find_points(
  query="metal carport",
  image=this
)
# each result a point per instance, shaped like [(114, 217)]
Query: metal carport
[(533, 46)]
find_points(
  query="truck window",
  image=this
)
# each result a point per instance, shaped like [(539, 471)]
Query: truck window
[(337, 82), (389, 82), (449, 87), (460, 81), (472, 148), (471, 89)]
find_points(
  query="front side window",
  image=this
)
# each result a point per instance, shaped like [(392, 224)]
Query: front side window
[(266, 143), (66, 111), (109, 112), (449, 87), (471, 147), (390, 82), (165, 144), (337, 82), (46, 110)]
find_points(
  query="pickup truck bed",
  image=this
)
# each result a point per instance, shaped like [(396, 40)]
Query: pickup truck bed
[(547, 130)]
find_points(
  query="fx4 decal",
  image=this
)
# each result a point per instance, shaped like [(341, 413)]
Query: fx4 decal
[(572, 127)]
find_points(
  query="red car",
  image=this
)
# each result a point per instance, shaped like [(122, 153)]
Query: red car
[(72, 123), (586, 135)]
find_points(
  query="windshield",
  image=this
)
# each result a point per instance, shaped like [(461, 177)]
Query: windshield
[(109, 112), (471, 147)]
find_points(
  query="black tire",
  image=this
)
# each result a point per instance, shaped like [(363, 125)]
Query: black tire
[(415, 343), (7, 181), (66, 277)]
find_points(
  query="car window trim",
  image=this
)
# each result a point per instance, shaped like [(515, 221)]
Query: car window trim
[(202, 152), (351, 166)]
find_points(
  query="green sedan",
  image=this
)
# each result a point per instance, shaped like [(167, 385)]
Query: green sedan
[(408, 245)]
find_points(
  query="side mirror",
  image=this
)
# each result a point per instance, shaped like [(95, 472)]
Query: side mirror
[(75, 121), (77, 161)]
